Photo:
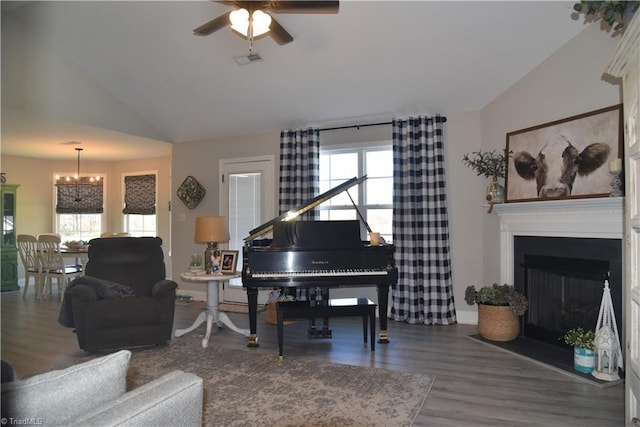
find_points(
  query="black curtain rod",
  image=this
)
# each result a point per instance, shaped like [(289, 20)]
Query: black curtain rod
[(444, 120)]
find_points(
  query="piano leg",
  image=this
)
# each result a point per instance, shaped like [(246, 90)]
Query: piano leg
[(252, 299), (312, 296), (325, 321), (383, 303)]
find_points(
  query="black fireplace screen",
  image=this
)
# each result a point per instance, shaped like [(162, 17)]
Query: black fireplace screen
[(563, 293), (563, 279)]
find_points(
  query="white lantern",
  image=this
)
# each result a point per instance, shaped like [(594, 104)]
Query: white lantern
[(606, 342), (606, 349)]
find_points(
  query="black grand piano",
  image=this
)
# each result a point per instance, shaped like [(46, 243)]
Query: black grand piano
[(315, 254)]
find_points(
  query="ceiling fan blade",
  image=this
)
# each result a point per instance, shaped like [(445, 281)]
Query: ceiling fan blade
[(278, 33), (310, 6), (213, 25)]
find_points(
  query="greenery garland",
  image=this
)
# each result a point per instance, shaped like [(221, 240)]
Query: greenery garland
[(616, 14)]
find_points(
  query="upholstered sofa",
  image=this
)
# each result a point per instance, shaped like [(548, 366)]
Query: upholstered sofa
[(124, 300), (94, 393)]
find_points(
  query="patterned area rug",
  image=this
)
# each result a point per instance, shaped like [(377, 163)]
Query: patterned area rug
[(252, 387)]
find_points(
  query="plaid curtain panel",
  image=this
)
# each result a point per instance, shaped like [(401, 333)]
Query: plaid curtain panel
[(424, 292), (300, 178), (299, 169)]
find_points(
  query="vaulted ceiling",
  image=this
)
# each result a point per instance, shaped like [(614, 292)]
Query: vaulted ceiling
[(131, 75)]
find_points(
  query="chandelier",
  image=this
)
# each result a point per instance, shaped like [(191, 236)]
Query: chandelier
[(78, 182)]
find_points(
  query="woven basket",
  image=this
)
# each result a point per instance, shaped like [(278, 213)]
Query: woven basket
[(272, 314), (497, 323)]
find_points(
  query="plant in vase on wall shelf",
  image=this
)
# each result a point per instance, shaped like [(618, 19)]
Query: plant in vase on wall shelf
[(583, 349), (498, 309), (490, 164)]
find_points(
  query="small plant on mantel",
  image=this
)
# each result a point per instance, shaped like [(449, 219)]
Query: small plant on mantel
[(577, 337), (490, 164), (499, 295)]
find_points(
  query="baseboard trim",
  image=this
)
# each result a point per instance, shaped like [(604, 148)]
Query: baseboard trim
[(467, 317)]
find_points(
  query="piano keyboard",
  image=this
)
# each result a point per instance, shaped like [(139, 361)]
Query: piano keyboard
[(319, 273)]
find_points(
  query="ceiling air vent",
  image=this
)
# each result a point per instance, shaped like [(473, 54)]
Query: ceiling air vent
[(248, 59)]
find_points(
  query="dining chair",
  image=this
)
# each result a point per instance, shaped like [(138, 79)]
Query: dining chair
[(28, 250), (53, 265)]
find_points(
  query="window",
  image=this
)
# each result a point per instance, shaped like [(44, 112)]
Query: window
[(374, 197), (140, 205), (74, 227), (140, 225), (79, 209)]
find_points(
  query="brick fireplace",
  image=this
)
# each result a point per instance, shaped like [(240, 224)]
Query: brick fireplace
[(558, 253)]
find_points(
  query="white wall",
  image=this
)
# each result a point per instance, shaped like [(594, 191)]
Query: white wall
[(38, 81), (200, 160), (36, 207), (568, 83), (462, 133)]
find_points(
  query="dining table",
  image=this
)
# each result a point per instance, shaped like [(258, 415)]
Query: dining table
[(75, 255)]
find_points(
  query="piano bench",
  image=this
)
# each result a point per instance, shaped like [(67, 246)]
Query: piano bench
[(337, 307)]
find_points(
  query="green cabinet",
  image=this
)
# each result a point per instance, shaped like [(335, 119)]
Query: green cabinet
[(8, 249)]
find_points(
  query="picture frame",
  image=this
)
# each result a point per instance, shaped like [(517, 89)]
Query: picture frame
[(569, 158), (229, 261)]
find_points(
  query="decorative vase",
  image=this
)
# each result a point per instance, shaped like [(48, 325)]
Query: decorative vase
[(583, 360), (497, 323), (195, 262), (495, 192)]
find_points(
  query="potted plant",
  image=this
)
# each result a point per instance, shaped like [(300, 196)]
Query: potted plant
[(498, 309), (490, 164), (583, 349)]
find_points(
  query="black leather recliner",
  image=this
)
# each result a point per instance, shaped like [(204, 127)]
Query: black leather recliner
[(144, 318)]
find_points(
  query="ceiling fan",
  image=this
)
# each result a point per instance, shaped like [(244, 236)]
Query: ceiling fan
[(252, 19)]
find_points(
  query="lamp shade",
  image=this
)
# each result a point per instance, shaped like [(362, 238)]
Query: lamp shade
[(211, 229)]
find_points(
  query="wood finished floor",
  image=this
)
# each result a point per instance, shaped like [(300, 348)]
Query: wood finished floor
[(476, 385)]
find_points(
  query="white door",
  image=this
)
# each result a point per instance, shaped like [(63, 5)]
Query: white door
[(247, 200), (632, 238), (625, 63)]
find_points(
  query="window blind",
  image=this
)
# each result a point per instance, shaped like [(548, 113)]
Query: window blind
[(140, 194), (85, 198)]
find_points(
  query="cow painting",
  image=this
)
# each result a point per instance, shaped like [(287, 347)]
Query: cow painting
[(555, 176), (564, 159)]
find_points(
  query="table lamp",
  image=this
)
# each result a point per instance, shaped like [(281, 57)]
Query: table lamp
[(211, 230)]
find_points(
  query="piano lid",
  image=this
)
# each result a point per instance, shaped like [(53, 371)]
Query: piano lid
[(299, 210)]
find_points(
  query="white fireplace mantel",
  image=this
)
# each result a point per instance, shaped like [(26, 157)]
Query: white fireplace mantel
[(592, 218)]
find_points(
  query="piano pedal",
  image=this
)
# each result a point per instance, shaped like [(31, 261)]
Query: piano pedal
[(320, 333)]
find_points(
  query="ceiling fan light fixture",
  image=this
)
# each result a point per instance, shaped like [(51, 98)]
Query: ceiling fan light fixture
[(240, 21), (261, 23), (256, 23)]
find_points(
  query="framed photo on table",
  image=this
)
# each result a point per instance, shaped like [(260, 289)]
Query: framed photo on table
[(229, 262), (565, 159)]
